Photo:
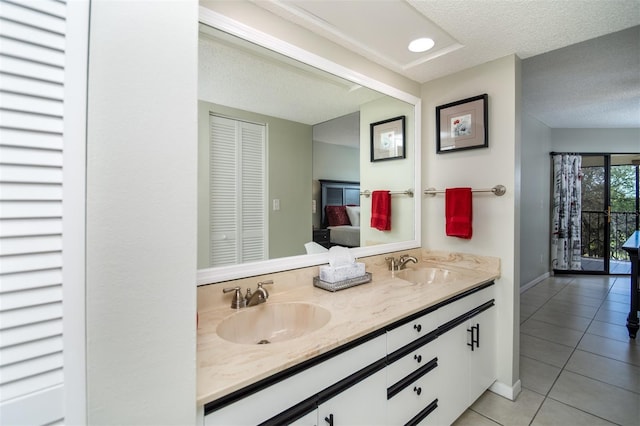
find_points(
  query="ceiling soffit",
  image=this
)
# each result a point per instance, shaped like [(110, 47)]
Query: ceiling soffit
[(396, 24)]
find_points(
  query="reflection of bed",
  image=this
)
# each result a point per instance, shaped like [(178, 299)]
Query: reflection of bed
[(340, 207), (345, 235)]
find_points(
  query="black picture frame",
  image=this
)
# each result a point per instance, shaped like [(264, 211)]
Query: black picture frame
[(462, 125), (388, 139)]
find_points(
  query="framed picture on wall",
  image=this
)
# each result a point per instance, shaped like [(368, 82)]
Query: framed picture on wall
[(462, 125), (387, 139)]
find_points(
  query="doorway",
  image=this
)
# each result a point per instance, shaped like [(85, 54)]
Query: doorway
[(609, 215)]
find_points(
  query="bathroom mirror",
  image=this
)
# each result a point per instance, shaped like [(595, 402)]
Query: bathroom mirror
[(314, 126)]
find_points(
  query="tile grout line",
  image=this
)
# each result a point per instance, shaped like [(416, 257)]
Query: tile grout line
[(562, 369), (544, 396), (576, 282), (593, 353)]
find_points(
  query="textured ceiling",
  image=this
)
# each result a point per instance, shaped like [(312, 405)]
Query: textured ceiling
[(593, 84), (238, 74), (472, 32), (480, 30)]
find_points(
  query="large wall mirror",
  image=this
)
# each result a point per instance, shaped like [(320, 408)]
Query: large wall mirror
[(279, 138)]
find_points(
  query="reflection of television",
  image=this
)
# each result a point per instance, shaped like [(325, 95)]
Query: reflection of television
[(338, 193)]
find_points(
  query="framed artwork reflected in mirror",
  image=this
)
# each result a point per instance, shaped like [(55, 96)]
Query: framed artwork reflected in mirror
[(387, 139)]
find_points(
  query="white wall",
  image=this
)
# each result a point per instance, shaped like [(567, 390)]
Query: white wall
[(535, 200), (495, 230), (393, 175), (141, 213), (595, 140), (335, 162)]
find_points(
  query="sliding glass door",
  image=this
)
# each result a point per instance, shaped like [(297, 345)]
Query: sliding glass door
[(623, 205), (609, 210), (594, 213)]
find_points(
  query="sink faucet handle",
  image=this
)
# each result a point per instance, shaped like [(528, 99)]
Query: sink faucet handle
[(238, 301), (261, 283), (391, 261)]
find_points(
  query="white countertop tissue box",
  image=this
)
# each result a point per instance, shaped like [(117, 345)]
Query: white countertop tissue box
[(332, 274)]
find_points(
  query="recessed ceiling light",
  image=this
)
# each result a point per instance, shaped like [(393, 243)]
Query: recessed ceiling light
[(421, 45)]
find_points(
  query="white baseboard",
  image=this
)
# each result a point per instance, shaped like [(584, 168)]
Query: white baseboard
[(535, 281), (506, 391)]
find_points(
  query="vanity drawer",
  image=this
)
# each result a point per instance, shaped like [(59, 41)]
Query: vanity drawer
[(459, 307), (410, 331), (419, 398), (411, 362)]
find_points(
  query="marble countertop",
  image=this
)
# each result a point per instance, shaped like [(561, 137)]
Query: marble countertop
[(224, 367)]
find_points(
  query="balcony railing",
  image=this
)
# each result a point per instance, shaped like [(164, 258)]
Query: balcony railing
[(594, 240)]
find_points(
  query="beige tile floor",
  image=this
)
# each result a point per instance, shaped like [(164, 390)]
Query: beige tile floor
[(578, 365)]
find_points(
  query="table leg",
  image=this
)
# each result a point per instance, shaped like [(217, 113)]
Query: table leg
[(632, 319)]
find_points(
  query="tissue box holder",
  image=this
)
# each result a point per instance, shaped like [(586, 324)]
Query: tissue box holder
[(340, 273), (341, 285)]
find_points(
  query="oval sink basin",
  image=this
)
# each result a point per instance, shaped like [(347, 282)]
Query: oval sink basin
[(427, 275), (272, 323)]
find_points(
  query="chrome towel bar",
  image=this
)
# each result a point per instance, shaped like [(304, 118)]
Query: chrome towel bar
[(498, 190), (408, 192)]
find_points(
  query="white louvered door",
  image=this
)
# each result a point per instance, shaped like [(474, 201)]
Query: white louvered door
[(238, 194), (252, 193), (32, 105)]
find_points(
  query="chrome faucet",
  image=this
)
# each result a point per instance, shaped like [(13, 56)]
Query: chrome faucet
[(404, 259), (398, 264), (259, 296), (251, 299)]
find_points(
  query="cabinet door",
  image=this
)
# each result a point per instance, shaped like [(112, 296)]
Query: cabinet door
[(310, 419), (469, 370), (453, 363), (482, 360), (362, 404)]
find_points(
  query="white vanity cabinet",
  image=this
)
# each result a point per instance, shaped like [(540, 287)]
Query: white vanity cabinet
[(423, 370), (469, 358)]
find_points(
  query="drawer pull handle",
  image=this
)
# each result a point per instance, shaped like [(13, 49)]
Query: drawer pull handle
[(329, 420), (417, 327), (418, 358), (475, 336), (417, 390)]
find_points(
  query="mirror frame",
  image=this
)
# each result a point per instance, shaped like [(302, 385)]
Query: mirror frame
[(244, 270)]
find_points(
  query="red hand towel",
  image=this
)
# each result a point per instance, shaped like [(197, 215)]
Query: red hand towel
[(458, 212), (381, 210)]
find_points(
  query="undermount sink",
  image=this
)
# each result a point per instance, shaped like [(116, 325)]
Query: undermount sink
[(427, 275), (272, 323)]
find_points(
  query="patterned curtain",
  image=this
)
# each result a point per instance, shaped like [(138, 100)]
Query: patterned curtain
[(567, 206)]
